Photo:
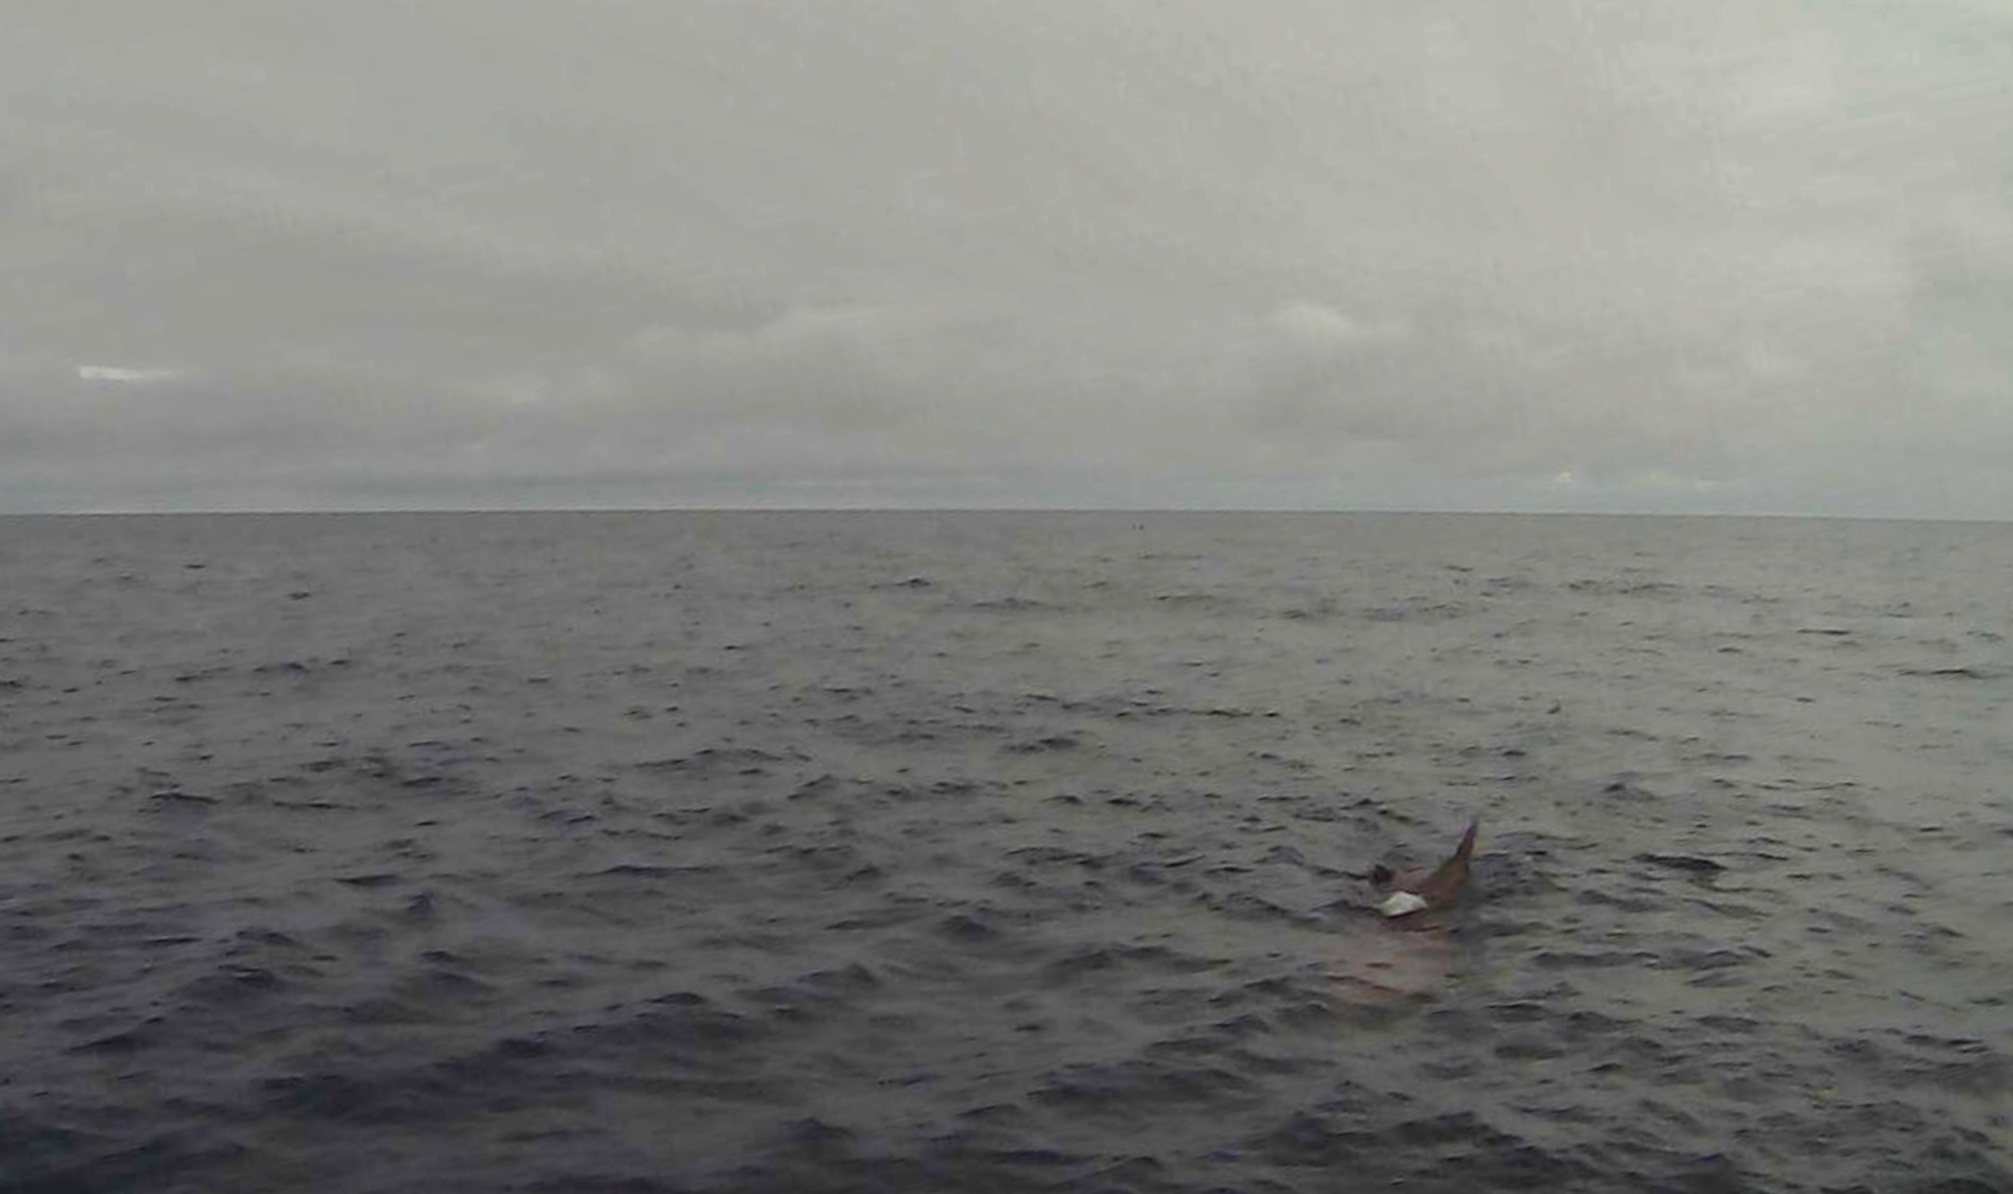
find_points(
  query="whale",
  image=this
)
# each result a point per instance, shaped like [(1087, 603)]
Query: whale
[(1416, 890), (1409, 955)]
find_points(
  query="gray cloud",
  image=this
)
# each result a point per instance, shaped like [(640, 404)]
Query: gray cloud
[(1521, 253)]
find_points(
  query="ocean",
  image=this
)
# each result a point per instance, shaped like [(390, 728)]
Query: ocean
[(1002, 852)]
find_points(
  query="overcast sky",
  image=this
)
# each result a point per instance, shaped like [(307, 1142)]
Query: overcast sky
[(1477, 254)]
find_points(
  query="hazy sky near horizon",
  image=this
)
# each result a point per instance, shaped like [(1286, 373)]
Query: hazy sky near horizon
[(1751, 255)]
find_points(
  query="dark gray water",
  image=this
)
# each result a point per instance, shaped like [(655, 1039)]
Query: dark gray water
[(653, 852)]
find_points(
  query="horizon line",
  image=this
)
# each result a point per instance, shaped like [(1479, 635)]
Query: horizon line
[(393, 511)]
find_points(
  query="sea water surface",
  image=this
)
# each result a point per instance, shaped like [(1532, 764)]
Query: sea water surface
[(1002, 852)]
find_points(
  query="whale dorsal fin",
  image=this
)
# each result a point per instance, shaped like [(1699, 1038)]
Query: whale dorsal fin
[(1450, 876)]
